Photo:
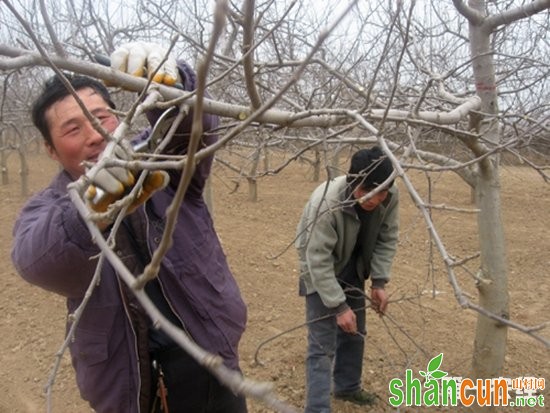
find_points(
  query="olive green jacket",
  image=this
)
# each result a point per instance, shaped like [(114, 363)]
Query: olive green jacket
[(327, 234)]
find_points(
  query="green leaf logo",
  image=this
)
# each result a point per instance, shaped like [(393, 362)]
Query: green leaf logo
[(433, 371)]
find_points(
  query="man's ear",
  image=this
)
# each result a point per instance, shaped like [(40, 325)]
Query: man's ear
[(52, 153)]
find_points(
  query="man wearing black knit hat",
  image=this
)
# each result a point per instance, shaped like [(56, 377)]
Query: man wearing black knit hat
[(347, 233)]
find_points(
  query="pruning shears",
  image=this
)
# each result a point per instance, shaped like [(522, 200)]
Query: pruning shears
[(159, 130)]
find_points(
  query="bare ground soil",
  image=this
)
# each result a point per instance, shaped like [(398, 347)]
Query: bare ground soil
[(424, 318)]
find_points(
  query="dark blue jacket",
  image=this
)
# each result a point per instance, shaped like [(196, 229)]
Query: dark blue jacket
[(53, 249)]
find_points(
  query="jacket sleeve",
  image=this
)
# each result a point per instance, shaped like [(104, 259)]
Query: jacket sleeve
[(321, 240), (52, 246), (180, 141), (386, 244)]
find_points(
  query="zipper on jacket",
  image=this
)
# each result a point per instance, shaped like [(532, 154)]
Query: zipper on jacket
[(149, 250)]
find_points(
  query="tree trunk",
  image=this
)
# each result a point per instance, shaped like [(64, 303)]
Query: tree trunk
[(491, 336), (24, 172), (252, 189), (4, 166), (316, 166), (252, 181)]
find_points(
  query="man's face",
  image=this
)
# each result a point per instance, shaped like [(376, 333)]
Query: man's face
[(371, 203), (73, 137)]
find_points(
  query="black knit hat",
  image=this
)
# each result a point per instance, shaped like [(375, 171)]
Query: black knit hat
[(369, 168)]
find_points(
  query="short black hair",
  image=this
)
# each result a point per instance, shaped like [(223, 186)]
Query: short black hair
[(369, 168), (55, 90)]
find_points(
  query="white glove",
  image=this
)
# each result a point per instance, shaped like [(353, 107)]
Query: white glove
[(142, 58), (115, 182)]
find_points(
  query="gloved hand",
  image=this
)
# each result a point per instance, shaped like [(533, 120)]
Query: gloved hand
[(111, 184), (142, 58)]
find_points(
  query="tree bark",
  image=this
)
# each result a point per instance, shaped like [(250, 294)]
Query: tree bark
[(491, 336)]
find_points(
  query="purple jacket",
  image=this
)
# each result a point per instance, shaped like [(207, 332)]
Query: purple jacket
[(53, 249)]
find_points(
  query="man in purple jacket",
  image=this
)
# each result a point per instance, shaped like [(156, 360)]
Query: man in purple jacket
[(116, 352)]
